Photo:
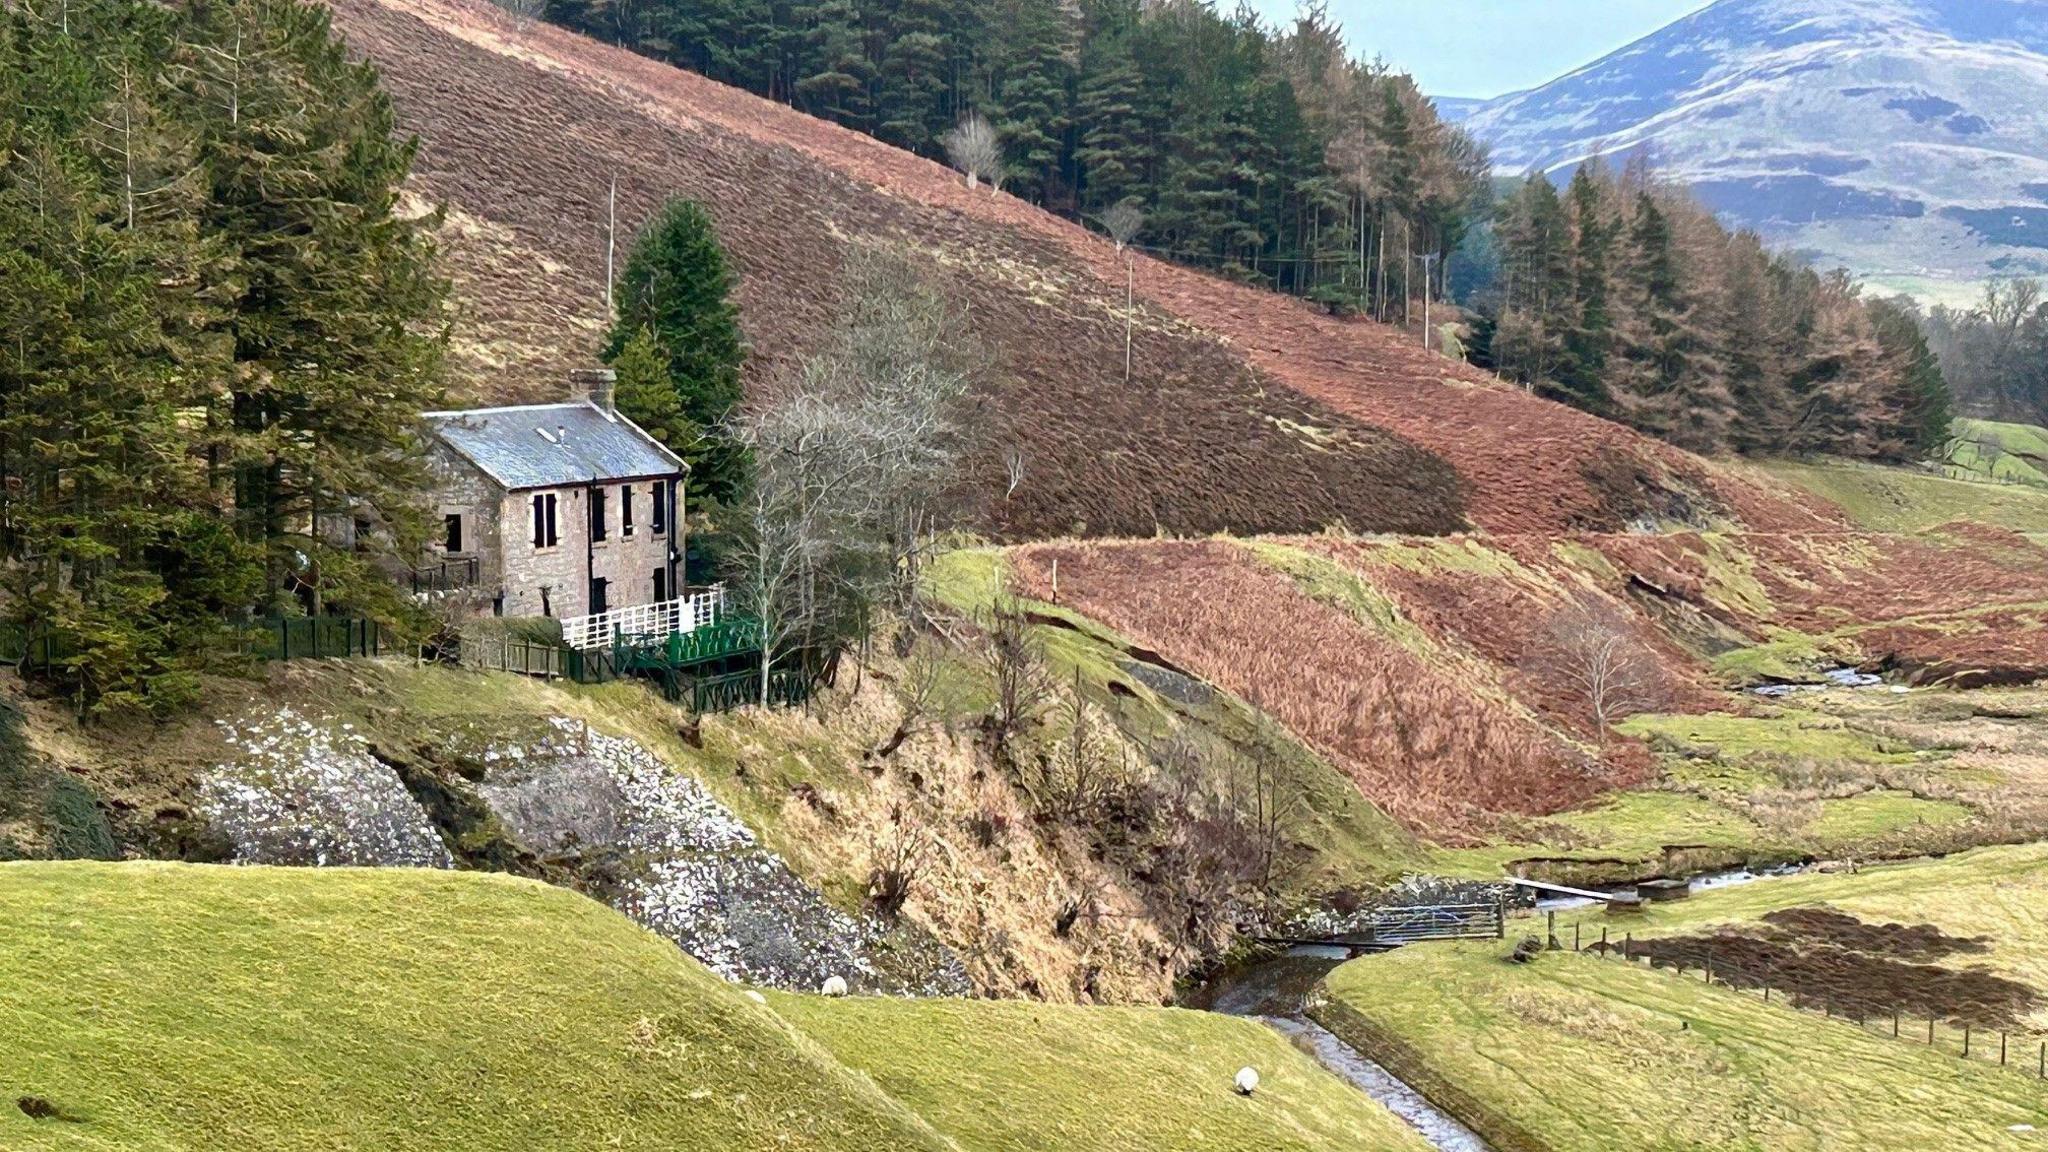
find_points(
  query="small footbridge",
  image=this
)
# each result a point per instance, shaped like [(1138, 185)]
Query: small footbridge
[(1382, 929)]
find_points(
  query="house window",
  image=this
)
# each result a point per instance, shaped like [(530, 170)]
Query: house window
[(598, 588), (661, 585), (452, 524), (658, 521), (544, 520), (625, 509), (597, 527)]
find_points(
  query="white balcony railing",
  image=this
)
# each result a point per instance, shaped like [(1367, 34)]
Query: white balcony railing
[(695, 610)]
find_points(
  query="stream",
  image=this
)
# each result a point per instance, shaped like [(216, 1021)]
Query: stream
[(1275, 993)]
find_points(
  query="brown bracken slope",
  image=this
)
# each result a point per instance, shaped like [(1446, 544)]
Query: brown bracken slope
[(1247, 412)]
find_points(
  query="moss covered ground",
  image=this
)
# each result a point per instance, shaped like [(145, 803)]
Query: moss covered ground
[(1842, 773), (182, 1007)]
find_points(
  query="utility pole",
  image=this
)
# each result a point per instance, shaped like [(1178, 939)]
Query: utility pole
[(611, 236), (1428, 260)]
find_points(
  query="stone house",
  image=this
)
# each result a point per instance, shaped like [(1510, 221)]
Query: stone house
[(564, 510)]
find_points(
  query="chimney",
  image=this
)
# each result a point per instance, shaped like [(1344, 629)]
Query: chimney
[(594, 385)]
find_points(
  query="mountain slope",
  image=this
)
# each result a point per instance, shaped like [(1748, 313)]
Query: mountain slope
[(1246, 412), (1905, 139)]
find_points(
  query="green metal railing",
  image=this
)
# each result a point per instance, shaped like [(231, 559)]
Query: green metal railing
[(787, 688), (729, 636)]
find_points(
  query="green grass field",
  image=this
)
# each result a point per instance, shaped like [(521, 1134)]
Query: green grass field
[(164, 1008), (1988, 449), (1021, 1077), (1902, 500), (1581, 1055), (1577, 1054)]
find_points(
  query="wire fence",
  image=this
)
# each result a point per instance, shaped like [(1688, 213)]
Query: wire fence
[(2027, 1052)]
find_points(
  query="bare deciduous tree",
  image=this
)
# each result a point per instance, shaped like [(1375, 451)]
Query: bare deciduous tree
[(1013, 470), (852, 459), (523, 12), (897, 857), (1123, 222), (1591, 648), (976, 150), (1016, 664)]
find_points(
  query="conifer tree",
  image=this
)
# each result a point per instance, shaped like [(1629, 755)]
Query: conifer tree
[(835, 73), (646, 394), (912, 107), (677, 286), (335, 315), (1032, 106)]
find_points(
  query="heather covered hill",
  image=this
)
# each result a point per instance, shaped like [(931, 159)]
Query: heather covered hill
[(1245, 412), (1432, 672)]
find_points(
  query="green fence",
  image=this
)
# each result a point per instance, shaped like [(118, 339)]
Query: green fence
[(275, 638), (314, 638)]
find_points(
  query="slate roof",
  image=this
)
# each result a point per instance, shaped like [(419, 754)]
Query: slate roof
[(553, 445)]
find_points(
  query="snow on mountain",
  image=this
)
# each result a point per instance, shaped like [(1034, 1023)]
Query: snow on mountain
[(1904, 139)]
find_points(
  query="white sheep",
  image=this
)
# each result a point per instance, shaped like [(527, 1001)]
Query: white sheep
[(1247, 1081), (834, 986)]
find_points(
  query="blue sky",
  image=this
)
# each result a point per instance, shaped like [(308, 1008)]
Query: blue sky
[(1487, 47)]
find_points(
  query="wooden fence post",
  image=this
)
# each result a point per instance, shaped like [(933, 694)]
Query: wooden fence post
[(1966, 1041), (1930, 1030), (2001, 1049), (1575, 935)]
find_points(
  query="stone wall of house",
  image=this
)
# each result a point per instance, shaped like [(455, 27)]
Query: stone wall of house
[(628, 562), (460, 489), (555, 581)]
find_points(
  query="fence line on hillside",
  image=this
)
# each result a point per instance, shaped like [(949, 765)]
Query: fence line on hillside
[(272, 638), (1967, 1042)]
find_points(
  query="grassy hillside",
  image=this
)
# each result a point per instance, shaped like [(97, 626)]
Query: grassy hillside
[(1579, 1054), (1990, 450), (1019, 1077), (170, 1007), (1590, 1056), (1882, 499), (185, 1007)]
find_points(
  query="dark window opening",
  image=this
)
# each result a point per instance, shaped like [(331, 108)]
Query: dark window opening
[(544, 520), (660, 585), (597, 595), (453, 524), (597, 525), (659, 520), (625, 509)]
